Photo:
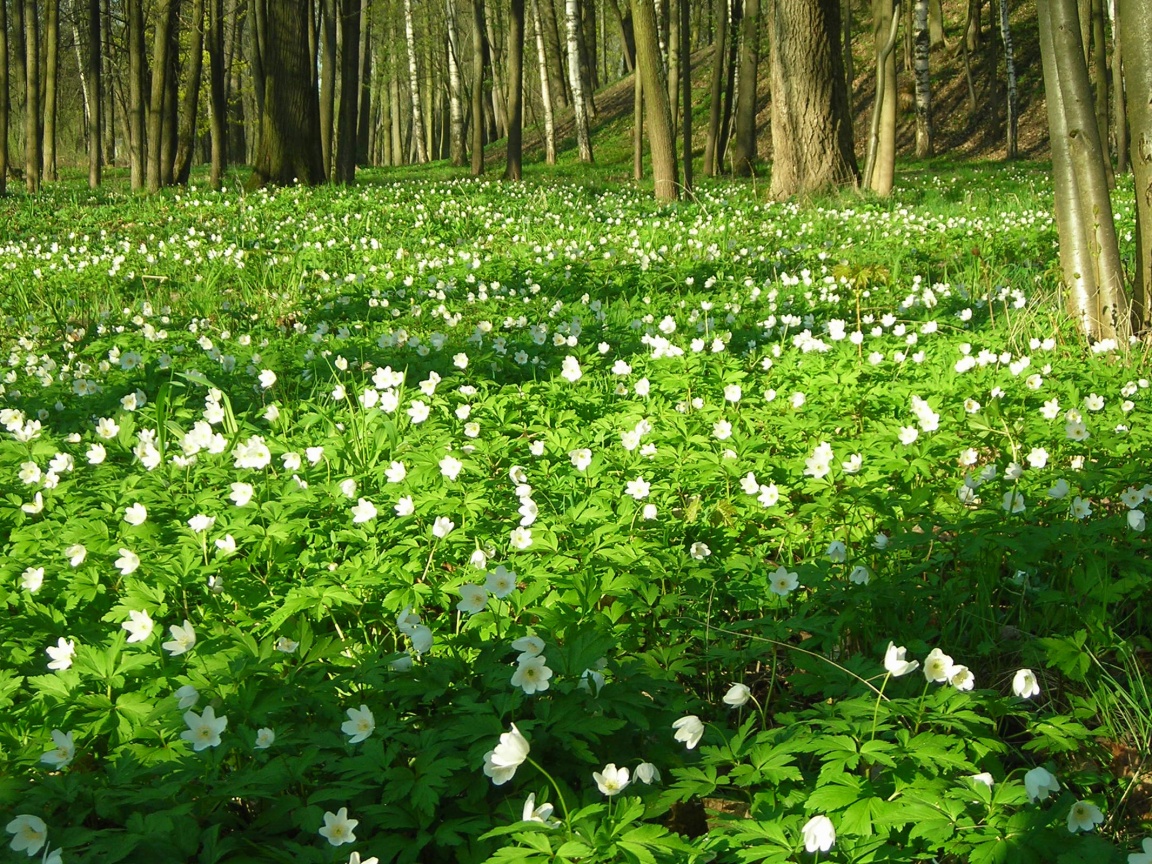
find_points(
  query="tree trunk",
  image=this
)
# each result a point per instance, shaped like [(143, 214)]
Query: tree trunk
[(1135, 18), (107, 87), (289, 149), (972, 31), (5, 104), (136, 107), (923, 82), (557, 81), (515, 100), (637, 123), (880, 164), (726, 130), (189, 111), (1013, 94), (811, 130), (545, 88), (497, 91), (217, 104), (479, 54), (575, 79), (327, 81), (165, 21), (32, 155), (744, 154), (51, 67), (846, 47), (456, 147), (414, 86), (1100, 76), (673, 67), (658, 114), (171, 110), (627, 38), (1086, 225), (1119, 115), (95, 91), (719, 61), (686, 91), (936, 23), (364, 115), (349, 91)]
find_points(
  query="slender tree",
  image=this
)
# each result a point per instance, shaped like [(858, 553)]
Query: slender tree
[(367, 64), (744, 152), (190, 108), (456, 146), (327, 34), (51, 89), (349, 91), (719, 64), (1136, 17), (515, 99), (95, 94), (1013, 92), (880, 164), (686, 91), (166, 20), (657, 112), (4, 100), (289, 149), (32, 153), (579, 101), (921, 45), (1119, 114), (414, 86), (479, 56), (136, 101), (811, 129), (545, 88), (555, 49)]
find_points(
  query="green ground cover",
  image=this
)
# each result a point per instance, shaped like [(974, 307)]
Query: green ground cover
[(443, 520)]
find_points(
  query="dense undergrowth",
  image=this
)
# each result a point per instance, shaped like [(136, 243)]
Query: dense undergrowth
[(538, 523)]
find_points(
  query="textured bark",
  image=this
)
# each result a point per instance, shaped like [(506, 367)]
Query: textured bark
[(136, 107), (328, 82), (579, 102), (166, 20), (457, 151), (414, 86), (479, 55), (51, 69), (972, 29), (95, 95), (719, 58), (364, 115), (657, 112), (1013, 93), (923, 82), (846, 47), (811, 129), (345, 170), (637, 123), (545, 88), (880, 164), (744, 152), (1136, 17), (729, 85), (673, 67), (588, 46), (515, 155), (5, 105), (289, 149), (557, 80), (1101, 309), (32, 153), (627, 38), (1119, 114), (189, 111), (1100, 77), (217, 105), (108, 88)]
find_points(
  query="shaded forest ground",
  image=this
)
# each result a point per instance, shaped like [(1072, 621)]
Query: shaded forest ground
[(959, 130)]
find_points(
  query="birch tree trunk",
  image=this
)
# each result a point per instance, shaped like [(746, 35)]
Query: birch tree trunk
[(457, 150), (923, 82), (1137, 18), (51, 70), (545, 88), (579, 102), (1013, 93), (414, 86), (554, 48)]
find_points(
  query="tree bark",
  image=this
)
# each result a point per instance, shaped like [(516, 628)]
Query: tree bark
[(456, 146), (575, 79), (923, 82), (674, 60), (51, 68), (657, 112), (637, 123), (364, 115), (515, 65), (719, 61), (289, 149), (108, 87), (95, 90), (479, 55), (880, 164), (414, 86), (627, 38), (557, 81), (217, 104), (1100, 76), (345, 172), (1099, 304), (1013, 93), (972, 31), (811, 129), (936, 23), (545, 88), (32, 153), (327, 82), (136, 107), (1119, 115), (5, 104), (189, 111), (686, 91), (164, 23), (744, 154), (1135, 18)]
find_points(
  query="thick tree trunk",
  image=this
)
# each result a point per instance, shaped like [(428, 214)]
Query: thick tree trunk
[(189, 111), (923, 82), (1099, 305), (719, 62), (479, 55), (349, 91), (513, 169), (165, 21), (811, 129), (327, 82), (880, 164), (32, 153), (457, 150), (575, 79), (217, 104), (1136, 18), (5, 104), (658, 114), (289, 149), (1013, 93), (51, 68), (545, 88), (744, 154), (414, 86)]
